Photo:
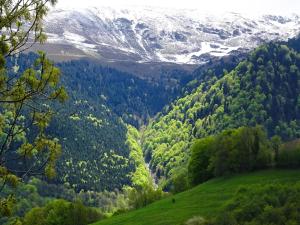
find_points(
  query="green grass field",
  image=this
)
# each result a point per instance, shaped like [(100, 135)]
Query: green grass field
[(205, 200)]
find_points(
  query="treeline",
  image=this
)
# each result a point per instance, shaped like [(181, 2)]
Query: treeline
[(131, 98), (235, 151), (36, 193), (263, 89), (240, 150)]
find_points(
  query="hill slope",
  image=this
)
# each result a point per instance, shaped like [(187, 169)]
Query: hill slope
[(204, 200), (91, 124), (263, 89)]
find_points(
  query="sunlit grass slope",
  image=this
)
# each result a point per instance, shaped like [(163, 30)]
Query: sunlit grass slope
[(204, 200)]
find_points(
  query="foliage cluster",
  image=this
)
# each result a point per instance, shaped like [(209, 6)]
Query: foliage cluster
[(233, 151), (37, 193), (139, 198), (61, 212), (24, 99), (141, 177)]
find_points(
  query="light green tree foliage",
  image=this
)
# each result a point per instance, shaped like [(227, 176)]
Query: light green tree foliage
[(24, 113), (143, 190), (179, 181), (141, 176), (138, 198)]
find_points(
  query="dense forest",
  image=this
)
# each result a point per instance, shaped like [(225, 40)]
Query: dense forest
[(93, 120), (82, 142), (263, 89), (89, 131)]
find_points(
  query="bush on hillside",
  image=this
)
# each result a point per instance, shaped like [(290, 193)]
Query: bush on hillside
[(202, 151), (232, 151), (139, 198)]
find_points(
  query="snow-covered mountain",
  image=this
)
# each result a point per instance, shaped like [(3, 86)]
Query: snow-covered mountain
[(160, 35)]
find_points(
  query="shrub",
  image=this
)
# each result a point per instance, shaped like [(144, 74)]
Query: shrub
[(145, 196), (196, 220)]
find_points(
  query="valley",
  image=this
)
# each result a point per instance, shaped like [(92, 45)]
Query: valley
[(148, 115)]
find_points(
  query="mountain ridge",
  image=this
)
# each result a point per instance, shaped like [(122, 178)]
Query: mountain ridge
[(148, 34)]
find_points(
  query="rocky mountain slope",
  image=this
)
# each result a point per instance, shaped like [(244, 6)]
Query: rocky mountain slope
[(160, 35)]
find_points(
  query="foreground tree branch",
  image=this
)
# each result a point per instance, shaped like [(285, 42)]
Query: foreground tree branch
[(25, 98)]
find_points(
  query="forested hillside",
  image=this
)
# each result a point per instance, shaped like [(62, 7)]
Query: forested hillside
[(263, 89), (131, 98), (92, 123), (89, 131), (89, 125)]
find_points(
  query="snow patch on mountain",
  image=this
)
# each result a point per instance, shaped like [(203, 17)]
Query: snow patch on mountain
[(146, 34)]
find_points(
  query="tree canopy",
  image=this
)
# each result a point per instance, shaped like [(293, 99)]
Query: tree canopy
[(263, 89)]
